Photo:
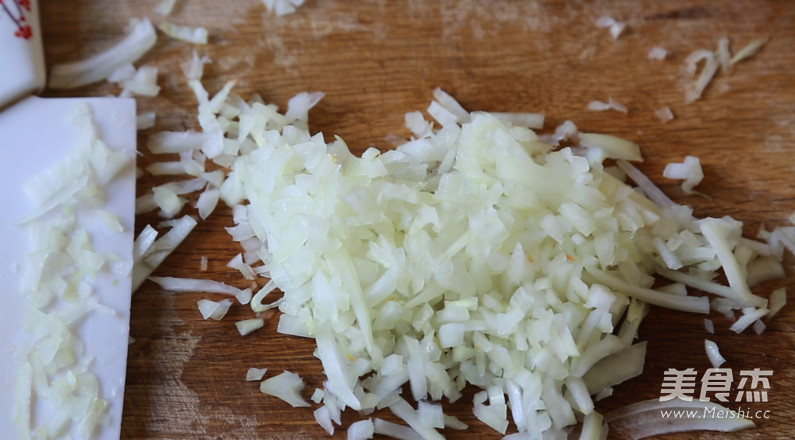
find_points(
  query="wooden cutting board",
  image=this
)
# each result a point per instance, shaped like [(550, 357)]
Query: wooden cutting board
[(376, 60)]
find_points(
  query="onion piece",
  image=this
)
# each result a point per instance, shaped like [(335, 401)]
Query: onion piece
[(160, 249), (723, 54), (165, 7), (613, 146), (393, 430), (214, 309), (778, 299), (749, 50), (709, 326), (255, 374), (247, 326), (143, 83), (529, 120), (676, 302), (748, 318), (361, 430), (145, 120), (735, 275), (195, 285), (664, 114), (657, 53), (592, 427), (402, 409), (694, 90), (286, 386), (196, 35), (194, 67), (323, 418), (646, 419), (282, 7), (689, 170), (141, 38)]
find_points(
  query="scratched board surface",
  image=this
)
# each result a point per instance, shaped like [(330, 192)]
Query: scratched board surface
[(375, 61)]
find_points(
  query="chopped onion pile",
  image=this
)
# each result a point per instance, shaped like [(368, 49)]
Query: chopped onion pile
[(60, 278), (474, 253)]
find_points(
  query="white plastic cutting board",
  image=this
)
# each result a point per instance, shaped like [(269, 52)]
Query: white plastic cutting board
[(34, 134)]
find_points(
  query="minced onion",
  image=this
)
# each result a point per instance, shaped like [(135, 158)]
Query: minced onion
[(389, 260)]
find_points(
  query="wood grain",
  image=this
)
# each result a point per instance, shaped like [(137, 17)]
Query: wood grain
[(376, 60)]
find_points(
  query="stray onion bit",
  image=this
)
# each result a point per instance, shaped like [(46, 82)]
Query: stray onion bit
[(247, 326), (255, 374), (664, 114), (141, 38), (657, 53), (713, 353), (689, 171), (145, 120), (282, 7), (196, 35), (648, 418), (143, 83), (59, 277), (748, 51), (711, 62), (361, 430), (214, 309), (286, 386), (778, 299), (695, 89), (615, 27), (609, 105), (165, 7), (153, 253), (709, 326)]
